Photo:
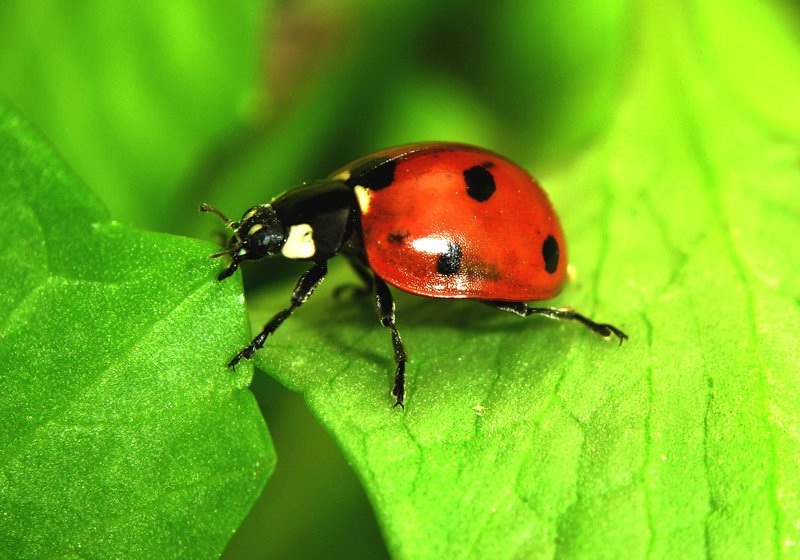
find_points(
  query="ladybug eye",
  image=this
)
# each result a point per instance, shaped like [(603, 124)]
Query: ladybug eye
[(257, 242), (263, 240)]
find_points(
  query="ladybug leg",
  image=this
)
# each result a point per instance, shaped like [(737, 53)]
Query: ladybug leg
[(306, 285), (385, 302), (364, 275), (521, 309)]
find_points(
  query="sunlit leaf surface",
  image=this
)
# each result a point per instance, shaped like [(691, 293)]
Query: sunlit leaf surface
[(123, 434)]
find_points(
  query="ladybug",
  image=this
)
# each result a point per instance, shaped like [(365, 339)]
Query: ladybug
[(434, 219)]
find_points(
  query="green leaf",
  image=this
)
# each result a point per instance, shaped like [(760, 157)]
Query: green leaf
[(124, 435), (528, 439)]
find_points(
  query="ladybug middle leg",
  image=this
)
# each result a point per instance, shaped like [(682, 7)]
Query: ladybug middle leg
[(305, 286), (385, 302), (371, 284), (603, 329)]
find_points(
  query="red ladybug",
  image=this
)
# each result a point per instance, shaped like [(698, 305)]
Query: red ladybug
[(434, 219)]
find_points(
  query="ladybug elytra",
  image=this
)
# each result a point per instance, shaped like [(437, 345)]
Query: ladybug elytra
[(435, 219)]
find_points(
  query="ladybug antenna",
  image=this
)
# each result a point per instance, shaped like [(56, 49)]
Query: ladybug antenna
[(233, 246), (228, 222), (236, 259), (228, 251)]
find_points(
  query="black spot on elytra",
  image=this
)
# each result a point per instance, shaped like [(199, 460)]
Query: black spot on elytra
[(449, 262), (374, 174), (397, 237), (480, 182), (550, 254)]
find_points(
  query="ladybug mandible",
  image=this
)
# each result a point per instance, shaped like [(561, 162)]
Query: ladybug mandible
[(435, 219)]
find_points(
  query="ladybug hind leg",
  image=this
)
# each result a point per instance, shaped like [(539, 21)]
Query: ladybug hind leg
[(305, 286), (362, 289), (603, 329)]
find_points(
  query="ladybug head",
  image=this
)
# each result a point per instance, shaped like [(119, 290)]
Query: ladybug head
[(259, 234)]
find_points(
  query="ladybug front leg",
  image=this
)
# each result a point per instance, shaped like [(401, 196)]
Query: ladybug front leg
[(603, 329), (306, 285), (385, 302)]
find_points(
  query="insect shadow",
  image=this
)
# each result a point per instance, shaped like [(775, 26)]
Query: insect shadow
[(341, 305), (469, 318)]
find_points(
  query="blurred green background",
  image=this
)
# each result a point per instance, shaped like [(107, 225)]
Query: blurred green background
[(158, 106)]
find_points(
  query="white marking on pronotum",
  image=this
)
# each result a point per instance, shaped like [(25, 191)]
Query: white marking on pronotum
[(300, 242), (342, 176), (252, 211), (363, 197)]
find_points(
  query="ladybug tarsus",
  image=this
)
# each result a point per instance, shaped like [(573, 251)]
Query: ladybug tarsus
[(235, 360), (399, 388), (519, 308)]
